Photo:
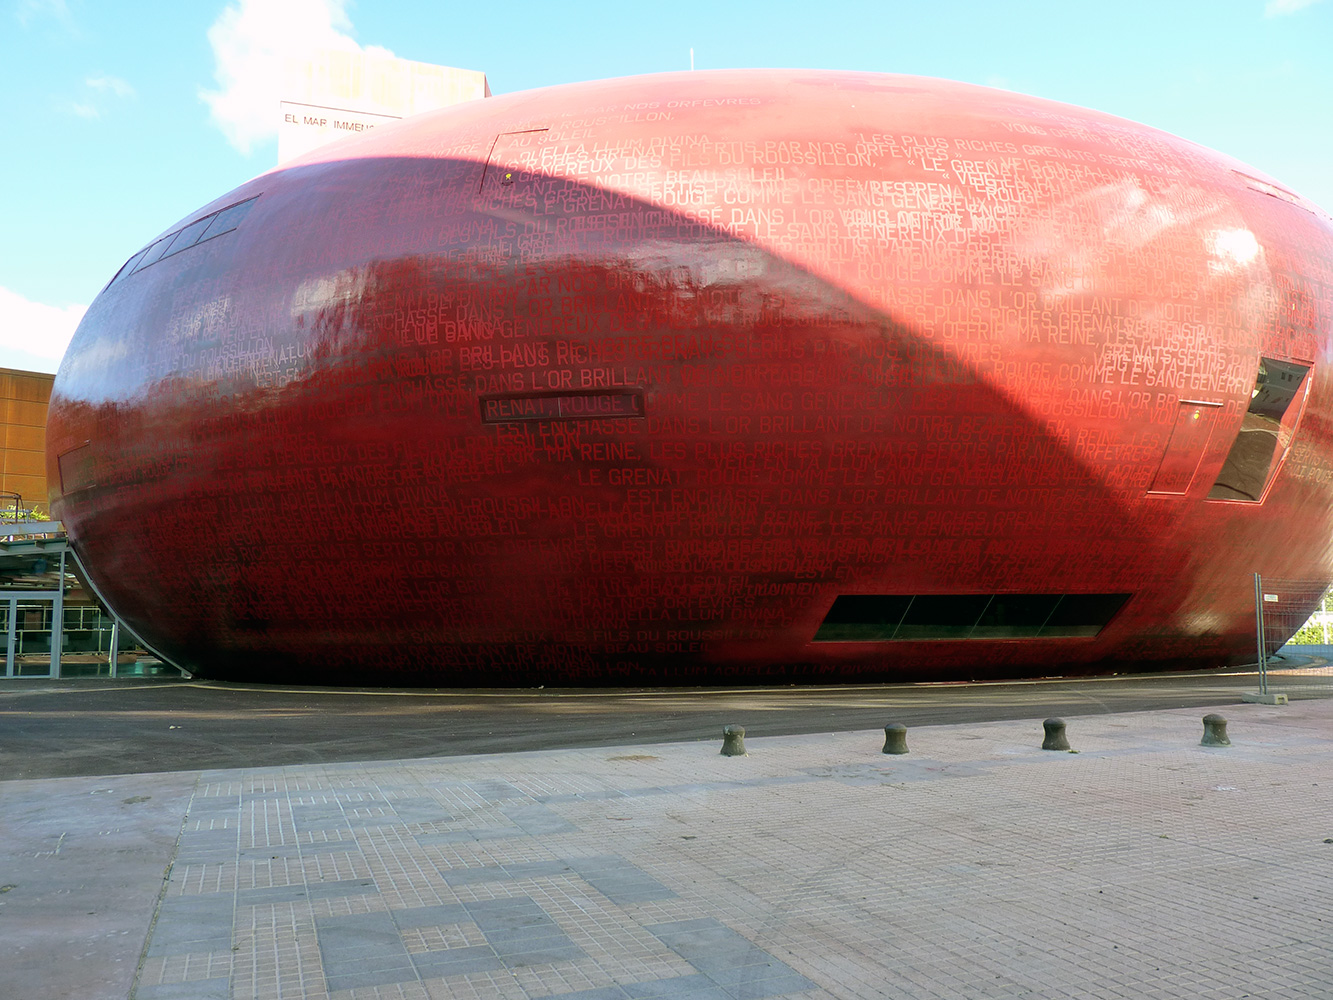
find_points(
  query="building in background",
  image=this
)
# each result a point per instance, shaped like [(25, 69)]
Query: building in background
[(24, 397), (336, 94), (50, 625)]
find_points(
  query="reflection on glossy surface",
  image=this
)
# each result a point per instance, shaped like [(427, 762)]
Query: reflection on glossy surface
[(1265, 432), (633, 380)]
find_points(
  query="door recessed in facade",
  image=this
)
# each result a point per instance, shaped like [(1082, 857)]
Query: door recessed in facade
[(1189, 443), (514, 158)]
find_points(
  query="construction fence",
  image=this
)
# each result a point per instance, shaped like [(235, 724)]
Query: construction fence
[(1303, 666)]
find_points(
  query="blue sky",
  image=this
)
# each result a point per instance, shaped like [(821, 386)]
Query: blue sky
[(110, 133)]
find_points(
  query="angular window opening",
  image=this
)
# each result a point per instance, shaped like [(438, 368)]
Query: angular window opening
[(1265, 434), (862, 618), (903, 618), (1082, 614)]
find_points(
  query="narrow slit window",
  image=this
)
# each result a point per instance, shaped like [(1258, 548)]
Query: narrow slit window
[(222, 221), (1265, 433)]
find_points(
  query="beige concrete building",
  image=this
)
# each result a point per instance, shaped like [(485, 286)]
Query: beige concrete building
[(337, 94)]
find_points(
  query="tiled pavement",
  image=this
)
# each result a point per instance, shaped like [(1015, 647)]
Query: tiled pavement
[(978, 866)]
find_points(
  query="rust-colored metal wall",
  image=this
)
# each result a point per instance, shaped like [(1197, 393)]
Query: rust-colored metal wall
[(24, 397)]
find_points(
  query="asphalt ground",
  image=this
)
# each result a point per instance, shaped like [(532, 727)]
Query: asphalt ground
[(78, 727)]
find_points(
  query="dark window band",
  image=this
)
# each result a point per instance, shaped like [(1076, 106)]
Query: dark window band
[(903, 618), (224, 220)]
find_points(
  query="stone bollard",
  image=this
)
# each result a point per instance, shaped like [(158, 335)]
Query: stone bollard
[(1214, 732), (895, 738), (1055, 735), (733, 742)]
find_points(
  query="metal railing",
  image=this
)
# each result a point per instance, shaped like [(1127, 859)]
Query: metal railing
[(11, 507)]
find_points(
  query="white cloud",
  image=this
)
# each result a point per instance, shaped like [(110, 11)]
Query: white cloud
[(100, 90), (34, 334), (1277, 8), (110, 85), (30, 10), (251, 41)]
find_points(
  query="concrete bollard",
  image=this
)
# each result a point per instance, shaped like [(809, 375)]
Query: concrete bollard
[(1214, 732), (1055, 735), (895, 738), (733, 742)]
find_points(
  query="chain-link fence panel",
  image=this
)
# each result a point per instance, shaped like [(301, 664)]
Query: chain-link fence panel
[(1289, 608)]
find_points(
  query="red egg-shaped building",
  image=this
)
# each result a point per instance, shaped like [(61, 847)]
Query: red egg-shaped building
[(709, 377)]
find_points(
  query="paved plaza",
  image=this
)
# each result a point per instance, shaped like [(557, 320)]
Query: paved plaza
[(1143, 865)]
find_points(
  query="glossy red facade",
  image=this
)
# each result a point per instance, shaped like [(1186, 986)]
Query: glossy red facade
[(710, 377)]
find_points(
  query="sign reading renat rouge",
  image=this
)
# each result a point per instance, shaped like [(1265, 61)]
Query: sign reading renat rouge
[(575, 406)]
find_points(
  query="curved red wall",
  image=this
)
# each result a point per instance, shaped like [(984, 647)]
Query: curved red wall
[(630, 380)]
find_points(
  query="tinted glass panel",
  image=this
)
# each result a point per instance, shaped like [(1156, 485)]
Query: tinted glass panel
[(130, 265), (862, 618), (1276, 386), (187, 236), (1082, 614), (942, 616), (1011, 616), (154, 253), (1265, 432), (868, 609)]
